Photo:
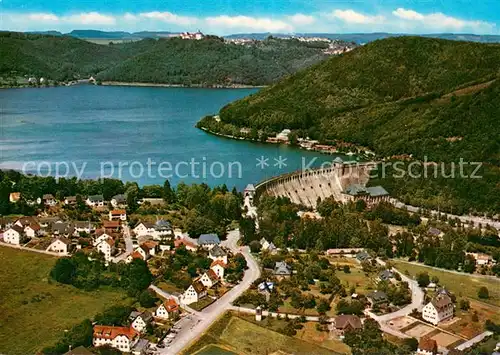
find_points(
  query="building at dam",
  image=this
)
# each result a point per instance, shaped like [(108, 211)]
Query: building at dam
[(345, 181)]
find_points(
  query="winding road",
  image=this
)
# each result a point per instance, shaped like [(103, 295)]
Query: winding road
[(198, 322)]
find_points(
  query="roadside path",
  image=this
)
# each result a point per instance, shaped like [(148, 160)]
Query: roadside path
[(20, 247)]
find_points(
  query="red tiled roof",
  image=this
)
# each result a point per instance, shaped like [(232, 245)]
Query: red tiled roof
[(150, 244), (118, 212), (110, 332), (171, 305), (179, 242), (110, 241), (218, 262), (35, 226), (427, 344), (212, 275), (111, 224), (137, 255)]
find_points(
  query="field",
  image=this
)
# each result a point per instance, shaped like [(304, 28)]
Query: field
[(243, 337), (460, 285), (35, 311)]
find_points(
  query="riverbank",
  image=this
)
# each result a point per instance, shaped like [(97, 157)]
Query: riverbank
[(198, 86)]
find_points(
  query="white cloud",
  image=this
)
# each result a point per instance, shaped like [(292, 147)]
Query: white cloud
[(130, 17), (351, 16), (90, 18), (169, 17), (249, 23), (43, 17), (301, 19), (441, 21)]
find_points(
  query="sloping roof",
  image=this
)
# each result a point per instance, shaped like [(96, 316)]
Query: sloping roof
[(441, 301), (212, 275), (377, 296), (137, 255), (80, 350), (343, 321), (25, 221), (282, 268), (94, 198), (356, 189), (111, 332), (62, 239), (218, 262), (217, 251), (17, 228), (434, 231), (250, 187), (70, 198), (145, 224), (211, 238), (111, 224), (386, 274), (376, 191), (119, 198), (118, 212), (187, 243), (427, 344), (48, 197), (198, 286), (163, 223), (171, 305)]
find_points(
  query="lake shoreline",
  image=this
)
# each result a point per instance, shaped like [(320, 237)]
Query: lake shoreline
[(194, 86)]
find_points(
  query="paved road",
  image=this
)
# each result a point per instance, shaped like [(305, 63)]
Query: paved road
[(129, 245), (464, 219), (202, 320)]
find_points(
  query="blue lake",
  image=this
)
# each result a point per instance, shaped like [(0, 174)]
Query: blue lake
[(127, 132)]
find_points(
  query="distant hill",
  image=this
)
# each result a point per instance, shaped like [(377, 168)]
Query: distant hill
[(427, 98), (362, 38), (163, 60)]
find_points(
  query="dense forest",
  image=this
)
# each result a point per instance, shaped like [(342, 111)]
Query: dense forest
[(413, 97), (210, 61)]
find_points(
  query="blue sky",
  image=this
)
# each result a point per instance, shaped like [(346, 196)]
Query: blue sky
[(236, 16)]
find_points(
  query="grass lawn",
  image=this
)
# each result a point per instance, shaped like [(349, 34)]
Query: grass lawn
[(466, 327), (240, 336), (35, 311), (460, 285), (205, 302), (169, 287)]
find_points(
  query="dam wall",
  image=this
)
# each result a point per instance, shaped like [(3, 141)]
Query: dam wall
[(305, 187)]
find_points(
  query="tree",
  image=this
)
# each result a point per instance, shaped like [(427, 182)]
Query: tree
[(464, 304), (168, 193), (411, 343), (255, 246), (64, 271), (483, 293), (138, 276), (147, 299), (423, 279)]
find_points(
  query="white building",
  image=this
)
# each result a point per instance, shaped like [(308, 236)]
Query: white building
[(440, 308), (100, 237), (119, 201), (159, 230), (217, 253), (121, 338), (118, 215), (60, 245), (195, 292), (95, 201), (13, 235), (166, 309), (209, 278), (219, 268), (141, 321), (106, 247)]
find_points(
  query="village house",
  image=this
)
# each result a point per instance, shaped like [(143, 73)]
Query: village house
[(62, 228), (266, 288), (209, 278), (119, 201), (70, 200), (195, 292), (249, 191), (363, 256), (217, 253), (439, 309), (144, 228), (99, 237), (120, 215), (265, 245), (344, 323), (385, 275), (159, 230), (208, 241), (282, 270), (167, 309), (60, 245), (435, 232), (84, 227), (371, 195), (111, 226), (121, 338), (189, 245), (32, 230), (349, 252), (14, 235), (219, 267), (427, 346), (79, 350), (482, 259), (140, 321), (107, 248), (377, 298), (49, 200), (95, 201)]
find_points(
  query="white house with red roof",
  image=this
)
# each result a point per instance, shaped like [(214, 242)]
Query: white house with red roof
[(60, 245), (13, 235), (167, 309), (218, 267), (120, 215), (121, 338), (209, 278), (106, 247)]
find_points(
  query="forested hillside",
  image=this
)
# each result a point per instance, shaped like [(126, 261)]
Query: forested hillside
[(423, 98), (167, 61)]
